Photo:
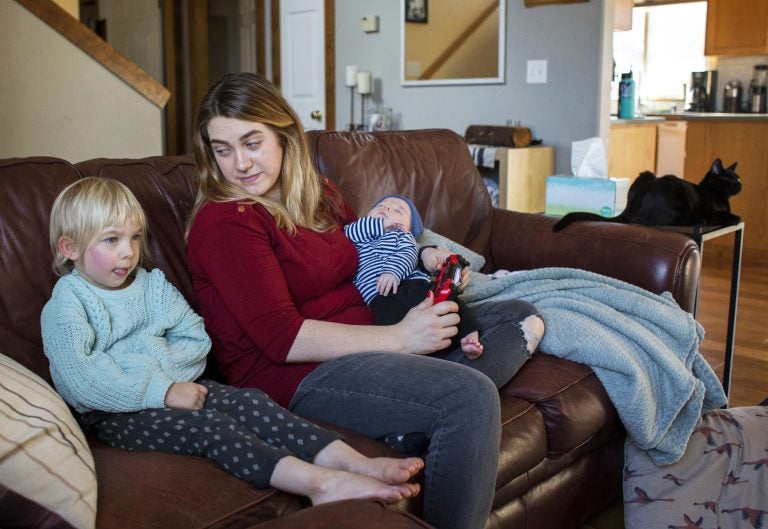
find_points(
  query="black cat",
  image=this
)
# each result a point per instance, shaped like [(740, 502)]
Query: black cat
[(672, 201)]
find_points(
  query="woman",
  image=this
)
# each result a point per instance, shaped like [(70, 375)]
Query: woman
[(273, 272)]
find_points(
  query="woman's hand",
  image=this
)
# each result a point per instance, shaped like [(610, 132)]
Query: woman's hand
[(186, 396), (428, 327), (465, 276)]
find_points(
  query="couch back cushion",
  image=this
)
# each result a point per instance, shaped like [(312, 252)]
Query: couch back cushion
[(431, 167), (165, 186), (28, 187)]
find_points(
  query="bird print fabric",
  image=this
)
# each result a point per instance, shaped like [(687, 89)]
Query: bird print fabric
[(721, 482)]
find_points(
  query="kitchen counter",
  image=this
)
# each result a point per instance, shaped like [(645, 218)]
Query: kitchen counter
[(639, 120), (712, 116)]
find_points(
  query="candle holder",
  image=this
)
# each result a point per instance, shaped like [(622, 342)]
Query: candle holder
[(351, 125), (362, 112)]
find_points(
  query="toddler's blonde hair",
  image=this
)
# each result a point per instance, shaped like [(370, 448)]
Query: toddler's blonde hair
[(85, 208)]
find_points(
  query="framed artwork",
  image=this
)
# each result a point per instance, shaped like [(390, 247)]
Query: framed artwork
[(416, 11), (534, 3)]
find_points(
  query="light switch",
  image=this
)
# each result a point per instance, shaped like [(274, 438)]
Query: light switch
[(537, 72), (370, 24)]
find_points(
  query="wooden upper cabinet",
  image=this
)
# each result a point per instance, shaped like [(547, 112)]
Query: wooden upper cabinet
[(737, 27)]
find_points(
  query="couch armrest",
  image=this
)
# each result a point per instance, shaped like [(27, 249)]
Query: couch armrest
[(651, 258)]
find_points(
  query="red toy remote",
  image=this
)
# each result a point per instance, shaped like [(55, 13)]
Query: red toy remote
[(448, 278)]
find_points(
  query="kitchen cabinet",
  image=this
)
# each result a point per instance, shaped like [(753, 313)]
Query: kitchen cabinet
[(632, 148), (736, 27), (744, 142)]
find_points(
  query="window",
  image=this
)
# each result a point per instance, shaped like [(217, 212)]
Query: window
[(665, 44)]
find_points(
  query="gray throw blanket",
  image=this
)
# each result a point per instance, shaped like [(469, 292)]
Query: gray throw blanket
[(643, 347)]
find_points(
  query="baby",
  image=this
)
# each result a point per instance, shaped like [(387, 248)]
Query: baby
[(388, 276)]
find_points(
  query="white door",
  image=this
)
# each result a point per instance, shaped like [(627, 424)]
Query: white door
[(302, 56)]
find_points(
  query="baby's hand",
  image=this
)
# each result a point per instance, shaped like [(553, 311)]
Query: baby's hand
[(387, 283), (432, 258), (186, 396), (390, 225)]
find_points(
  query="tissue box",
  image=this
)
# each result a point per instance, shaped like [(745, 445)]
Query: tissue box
[(604, 196)]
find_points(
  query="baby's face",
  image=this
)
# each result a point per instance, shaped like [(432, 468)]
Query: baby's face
[(394, 211)]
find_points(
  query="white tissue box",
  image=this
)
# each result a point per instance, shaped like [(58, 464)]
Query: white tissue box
[(604, 196)]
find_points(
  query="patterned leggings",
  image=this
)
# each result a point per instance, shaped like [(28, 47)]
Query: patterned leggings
[(242, 430)]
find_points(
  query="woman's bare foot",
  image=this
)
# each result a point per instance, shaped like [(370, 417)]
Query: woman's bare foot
[(322, 485), (471, 345), (339, 455)]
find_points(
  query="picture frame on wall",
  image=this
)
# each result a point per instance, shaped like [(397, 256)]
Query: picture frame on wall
[(534, 3), (416, 11)]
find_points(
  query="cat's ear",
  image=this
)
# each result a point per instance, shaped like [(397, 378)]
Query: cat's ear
[(717, 166), (732, 167)]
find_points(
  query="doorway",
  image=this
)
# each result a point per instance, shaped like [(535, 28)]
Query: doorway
[(232, 35), (189, 44)]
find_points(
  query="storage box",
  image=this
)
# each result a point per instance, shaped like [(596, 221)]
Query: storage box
[(604, 196)]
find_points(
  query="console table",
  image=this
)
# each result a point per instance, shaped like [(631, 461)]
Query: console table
[(700, 234)]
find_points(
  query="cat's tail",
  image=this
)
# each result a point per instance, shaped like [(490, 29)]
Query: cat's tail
[(576, 216)]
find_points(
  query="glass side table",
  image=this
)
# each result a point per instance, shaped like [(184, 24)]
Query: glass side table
[(704, 233)]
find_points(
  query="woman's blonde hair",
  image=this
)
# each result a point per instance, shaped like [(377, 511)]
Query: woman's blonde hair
[(84, 209), (251, 97)]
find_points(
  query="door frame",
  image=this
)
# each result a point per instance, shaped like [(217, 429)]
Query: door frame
[(330, 57), (186, 66)]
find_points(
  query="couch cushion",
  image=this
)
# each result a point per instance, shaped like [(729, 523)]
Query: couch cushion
[(44, 457), (570, 398), (136, 489), (347, 514), (28, 187)]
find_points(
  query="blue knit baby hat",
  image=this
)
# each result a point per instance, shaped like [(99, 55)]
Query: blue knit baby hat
[(416, 225)]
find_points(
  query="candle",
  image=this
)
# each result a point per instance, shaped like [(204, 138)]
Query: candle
[(352, 75), (364, 82)]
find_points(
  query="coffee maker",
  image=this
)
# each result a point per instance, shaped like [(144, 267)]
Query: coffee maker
[(757, 89), (702, 92)]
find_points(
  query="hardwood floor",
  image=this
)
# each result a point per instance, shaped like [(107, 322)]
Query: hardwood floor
[(749, 375)]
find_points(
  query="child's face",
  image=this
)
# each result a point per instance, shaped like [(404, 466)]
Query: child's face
[(394, 211), (109, 259)]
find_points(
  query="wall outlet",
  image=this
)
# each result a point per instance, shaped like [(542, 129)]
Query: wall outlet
[(537, 72)]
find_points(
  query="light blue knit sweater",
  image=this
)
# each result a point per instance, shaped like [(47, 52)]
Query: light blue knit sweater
[(120, 350)]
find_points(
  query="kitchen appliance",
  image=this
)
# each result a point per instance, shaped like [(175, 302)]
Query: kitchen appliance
[(757, 89), (702, 94), (732, 97)]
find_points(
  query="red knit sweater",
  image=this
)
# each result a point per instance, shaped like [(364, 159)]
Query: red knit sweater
[(256, 284)]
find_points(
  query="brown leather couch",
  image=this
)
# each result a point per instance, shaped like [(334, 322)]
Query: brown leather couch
[(562, 443)]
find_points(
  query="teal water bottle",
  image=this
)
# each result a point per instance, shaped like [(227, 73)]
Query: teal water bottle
[(627, 96)]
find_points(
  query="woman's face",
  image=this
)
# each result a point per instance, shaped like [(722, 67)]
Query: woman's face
[(248, 154)]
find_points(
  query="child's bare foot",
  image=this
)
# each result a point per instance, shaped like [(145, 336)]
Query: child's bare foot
[(322, 484), (388, 469), (394, 471), (471, 345), (342, 485)]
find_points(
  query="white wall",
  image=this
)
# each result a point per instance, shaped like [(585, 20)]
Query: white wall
[(57, 101), (565, 109)]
